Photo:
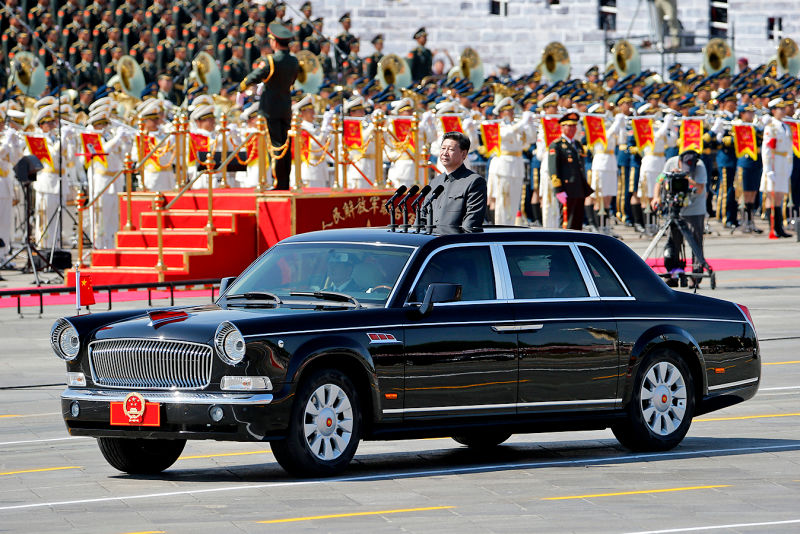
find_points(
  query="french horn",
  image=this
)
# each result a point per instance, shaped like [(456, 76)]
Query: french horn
[(30, 78), (206, 72), (469, 67), (393, 70), (310, 75), (626, 59), (717, 55), (555, 64)]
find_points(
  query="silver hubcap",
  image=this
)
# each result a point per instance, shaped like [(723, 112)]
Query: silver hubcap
[(663, 398), (328, 422)]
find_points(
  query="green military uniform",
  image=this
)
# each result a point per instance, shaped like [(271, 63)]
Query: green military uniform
[(371, 62), (88, 76), (567, 174), (235, 70), (420, 59)]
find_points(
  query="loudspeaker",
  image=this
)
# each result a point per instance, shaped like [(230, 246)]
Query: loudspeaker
[(26, 168)]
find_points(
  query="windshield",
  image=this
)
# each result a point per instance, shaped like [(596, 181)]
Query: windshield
[(365, 271)]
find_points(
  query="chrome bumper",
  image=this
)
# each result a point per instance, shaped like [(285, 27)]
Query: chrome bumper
[(169, 397)]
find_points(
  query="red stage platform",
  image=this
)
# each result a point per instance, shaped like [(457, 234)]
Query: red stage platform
[(245, 225)]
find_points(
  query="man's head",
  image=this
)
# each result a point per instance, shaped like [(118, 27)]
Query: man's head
[(340, 267), (569, 124), (689, 160), (454, 150)]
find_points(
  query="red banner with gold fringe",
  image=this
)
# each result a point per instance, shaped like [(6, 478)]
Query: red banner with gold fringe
[(551, 129), (451, 123), (744, 141), (595, 127), (351, 133), (691, 135), (490, 131), (38, 147), (643, 132)]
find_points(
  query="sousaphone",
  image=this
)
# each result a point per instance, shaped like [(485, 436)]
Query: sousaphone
[(393, 70), (30, 77), (788, 57), (310, 75), (206, 72), (129, 77), (626, 59), (717, 55), (555, 64), (469, 67)]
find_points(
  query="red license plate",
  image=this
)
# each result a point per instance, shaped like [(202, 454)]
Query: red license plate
[(133, 413)]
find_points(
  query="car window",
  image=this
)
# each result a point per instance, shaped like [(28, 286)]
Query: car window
[(604, 278), (544, 272), (471, 267)]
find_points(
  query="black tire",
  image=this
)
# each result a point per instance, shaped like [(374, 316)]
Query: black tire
[(659, 424), (482, 440), (141, 456), (332, 442)]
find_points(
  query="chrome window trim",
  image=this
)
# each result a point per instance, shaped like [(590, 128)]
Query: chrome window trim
[(614, 271), (502, 272), (447, 247), (588, 281), (497, 406), (733, 384)]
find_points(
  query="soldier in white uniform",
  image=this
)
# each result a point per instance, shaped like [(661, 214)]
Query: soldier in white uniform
[(776, 156), (315, 172), (115, 144), (604, 162), (48, 184), (249, 178), (12, 146), (157, 173), (507, 171), (365, 159), (401, 171), (653, 158), (550, 208), (204, 123)]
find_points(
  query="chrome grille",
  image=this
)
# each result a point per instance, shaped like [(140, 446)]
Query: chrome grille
[(150, 364)]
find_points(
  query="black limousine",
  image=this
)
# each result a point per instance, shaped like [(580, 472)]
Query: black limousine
[(338, 336)]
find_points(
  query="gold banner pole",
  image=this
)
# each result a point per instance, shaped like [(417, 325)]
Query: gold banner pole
[(158, 206), (337, 133), (415, 137), (142, 151), (297, 152), (81, 200), (128, 190), (224, 130), (261, 146), (209, 164), (380, 122)]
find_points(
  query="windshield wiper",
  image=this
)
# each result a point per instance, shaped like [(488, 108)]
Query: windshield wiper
[(256, 295), (327, 295)]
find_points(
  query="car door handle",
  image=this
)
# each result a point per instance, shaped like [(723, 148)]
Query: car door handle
[(509, 328)]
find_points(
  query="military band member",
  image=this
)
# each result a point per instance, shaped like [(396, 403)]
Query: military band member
[(567, 172), (341, 48), (653, 156), (604, 163), (401, 170), (748, 170), (727, 205), (304, 30), (353, 66), (372, 61), (12, 146), (507, 171), (776, 151), (325, 59), (420, 59), (48, 184), (314, 172), (549, 206), (157, 174), (364, 159)]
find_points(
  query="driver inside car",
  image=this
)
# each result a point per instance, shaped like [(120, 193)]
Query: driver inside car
[(340, 273)]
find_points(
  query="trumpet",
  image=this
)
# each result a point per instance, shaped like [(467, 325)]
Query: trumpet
[(120, 124)]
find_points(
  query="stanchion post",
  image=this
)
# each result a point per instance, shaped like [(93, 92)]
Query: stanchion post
[(177, 132), (158, 206), (424, 154), (224, 131), (261, 146), (81, 200), (143, 144), (415, 138), (128, 191), (337, 133), (297, 138), (209, 165), (379, 120)]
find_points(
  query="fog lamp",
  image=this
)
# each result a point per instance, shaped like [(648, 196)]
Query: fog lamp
[(216, 413), (74, 409)]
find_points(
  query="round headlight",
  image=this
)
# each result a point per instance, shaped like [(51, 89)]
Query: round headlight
[(64, 340), (230, 343)]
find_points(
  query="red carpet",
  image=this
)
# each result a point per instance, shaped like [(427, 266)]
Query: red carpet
[(160, 298), (729, 264)]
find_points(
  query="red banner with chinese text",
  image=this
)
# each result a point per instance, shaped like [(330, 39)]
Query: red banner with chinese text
[(197, 143), (93, 144), (595, 127), (451, 123), (490, 132), (402, 131), (691, 135), (643, 132), (351, 134), (551, 129), (38, 147), (744, 141), (794, 126)]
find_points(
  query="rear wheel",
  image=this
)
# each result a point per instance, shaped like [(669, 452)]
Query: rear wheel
[(482, 440), (141, 456), (662, 405), (325, 426)]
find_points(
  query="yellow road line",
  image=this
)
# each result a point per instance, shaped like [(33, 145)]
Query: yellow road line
[(222, 454), (28, 415), (40, 470), (780, 363), (334, 516), (746, 417), (691, 488)]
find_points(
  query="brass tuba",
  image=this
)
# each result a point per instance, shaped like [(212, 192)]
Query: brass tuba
[(129, 77), (788, 56), (717, 55), (393, 70), (30, 77), (555, 64), (206, 72), (626, 59), (469, 67), (309, 77)]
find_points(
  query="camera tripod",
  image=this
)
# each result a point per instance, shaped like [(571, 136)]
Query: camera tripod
[(678, 228)]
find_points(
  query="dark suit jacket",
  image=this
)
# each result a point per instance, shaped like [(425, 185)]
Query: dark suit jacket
[(275, 101), (463, 201)]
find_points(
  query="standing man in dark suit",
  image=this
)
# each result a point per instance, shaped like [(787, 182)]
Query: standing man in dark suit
[(420, 59), (277, 75), (463, 201), (567, 171)]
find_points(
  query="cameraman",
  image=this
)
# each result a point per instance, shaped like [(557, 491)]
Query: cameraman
[(692, 212)]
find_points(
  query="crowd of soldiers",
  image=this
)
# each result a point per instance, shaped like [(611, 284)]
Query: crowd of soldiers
[(505, 117)]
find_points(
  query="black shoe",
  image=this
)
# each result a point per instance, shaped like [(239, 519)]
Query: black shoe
[(672, 282)]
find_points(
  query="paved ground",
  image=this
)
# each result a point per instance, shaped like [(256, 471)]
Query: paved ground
[(738, 470)]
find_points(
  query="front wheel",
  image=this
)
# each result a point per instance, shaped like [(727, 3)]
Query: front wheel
[(141, 456), (662, 406), (324, 429)]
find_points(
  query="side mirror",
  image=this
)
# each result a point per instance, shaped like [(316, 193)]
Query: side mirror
[(224, 283), (439, 293)]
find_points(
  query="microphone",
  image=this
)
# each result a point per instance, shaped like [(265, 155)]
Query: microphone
[(417, 204), (390, 206), (404, 205), (429, 205)]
